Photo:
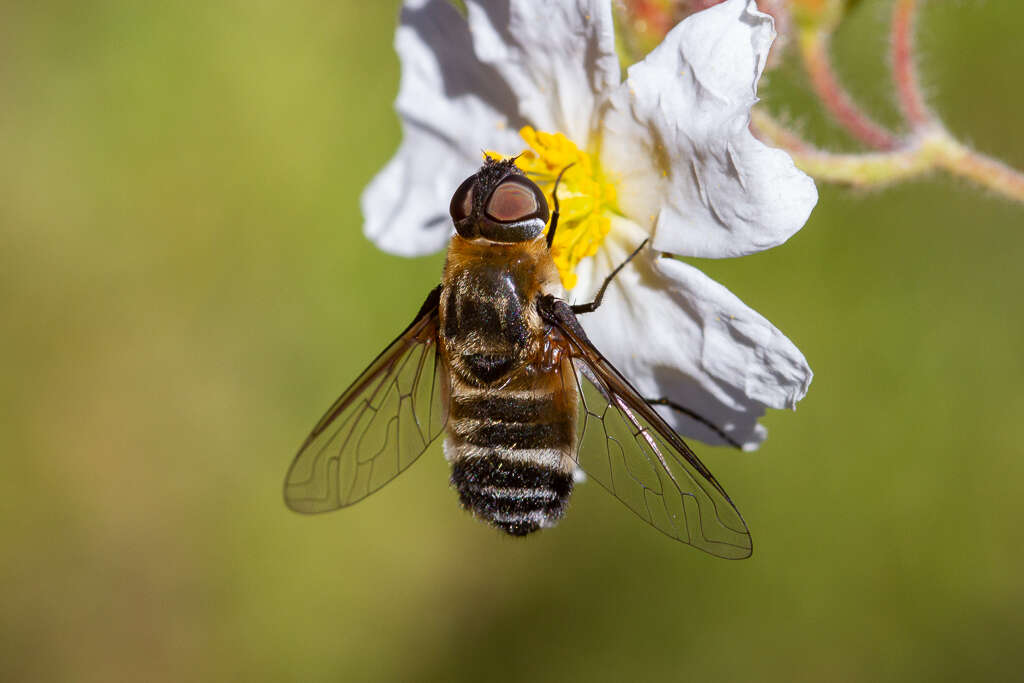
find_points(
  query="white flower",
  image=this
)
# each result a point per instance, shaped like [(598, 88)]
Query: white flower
[(664, 154)]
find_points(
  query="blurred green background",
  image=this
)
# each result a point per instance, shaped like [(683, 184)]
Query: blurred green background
[(184, 287)]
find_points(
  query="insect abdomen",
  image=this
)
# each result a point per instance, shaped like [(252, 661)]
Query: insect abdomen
[(509, 458), (517, 500)]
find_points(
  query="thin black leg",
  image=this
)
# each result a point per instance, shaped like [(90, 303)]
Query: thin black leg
[(592, 306), (689, 413), (554, 214)]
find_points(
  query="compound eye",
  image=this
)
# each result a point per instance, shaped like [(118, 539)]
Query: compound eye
[(516, 199), (462, 200)]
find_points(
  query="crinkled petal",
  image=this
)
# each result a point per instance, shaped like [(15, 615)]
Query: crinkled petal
[(623, 236), (557, 55), (452, 107), (405, 206), (676, 133), (698, 345)]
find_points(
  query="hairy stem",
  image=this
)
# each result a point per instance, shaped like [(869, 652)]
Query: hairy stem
[(814, 50), (904, 71), (930, 149)]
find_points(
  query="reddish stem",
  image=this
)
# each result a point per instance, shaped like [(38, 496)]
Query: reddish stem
[(907, 85), (987, 172), (836, 99)]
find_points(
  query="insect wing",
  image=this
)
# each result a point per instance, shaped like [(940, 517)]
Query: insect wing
[(378, 427), (630, 450)]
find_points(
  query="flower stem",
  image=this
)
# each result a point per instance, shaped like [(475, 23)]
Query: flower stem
[(929, 149), (814, 50), (864, 170), (908, 88), (990, 173)]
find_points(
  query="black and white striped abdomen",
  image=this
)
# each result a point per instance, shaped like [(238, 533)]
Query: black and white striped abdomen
[(510, 456)]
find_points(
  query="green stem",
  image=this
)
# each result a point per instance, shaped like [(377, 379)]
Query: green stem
[(929, 149)]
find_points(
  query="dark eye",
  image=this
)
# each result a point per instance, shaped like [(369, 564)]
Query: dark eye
[(516, 199), (462, 200)]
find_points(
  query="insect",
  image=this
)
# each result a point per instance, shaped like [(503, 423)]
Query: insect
[(499, 363)]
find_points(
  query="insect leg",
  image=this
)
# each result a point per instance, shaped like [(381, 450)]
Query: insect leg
[(554, 197), (592, 306), (663, 401)]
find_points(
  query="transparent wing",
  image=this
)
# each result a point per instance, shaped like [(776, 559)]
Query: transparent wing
[(378, 427), (630, 450)]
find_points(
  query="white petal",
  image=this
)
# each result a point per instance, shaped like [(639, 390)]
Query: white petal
[(677, 135), (406, 204), (623, 237), (699, 345), (557, 55), (452, 107)]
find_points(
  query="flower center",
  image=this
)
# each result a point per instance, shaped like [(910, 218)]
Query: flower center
[(585, 199)]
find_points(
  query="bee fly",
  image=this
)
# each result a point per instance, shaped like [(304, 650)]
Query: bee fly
[(499, 361)]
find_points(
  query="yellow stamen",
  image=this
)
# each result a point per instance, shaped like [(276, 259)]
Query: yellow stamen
[(585, 199)]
